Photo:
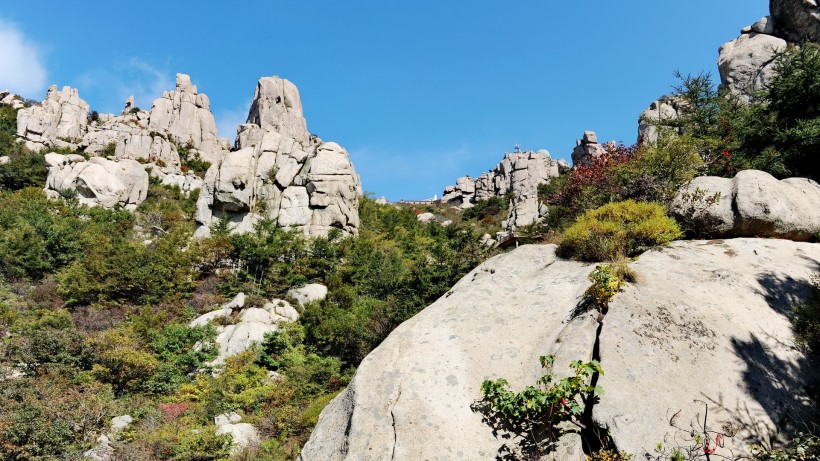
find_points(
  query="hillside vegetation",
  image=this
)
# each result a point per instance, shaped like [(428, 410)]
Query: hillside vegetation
[(95, 304)]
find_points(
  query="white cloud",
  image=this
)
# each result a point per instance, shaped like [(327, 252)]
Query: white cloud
[(21, 70), (228, 120)]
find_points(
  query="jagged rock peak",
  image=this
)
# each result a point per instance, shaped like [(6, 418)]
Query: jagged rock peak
[(185, 117), (60, 120), (280, 172), (586, 149), (276, 106)]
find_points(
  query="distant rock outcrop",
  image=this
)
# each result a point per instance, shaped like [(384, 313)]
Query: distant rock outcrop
[(59, 121), (752, 204), (97, 181), (587, 149), (517, 175), (306, 184), (184, 117), (180, 119), (244, 326), (10, 99), (706, 323), (656, 119)]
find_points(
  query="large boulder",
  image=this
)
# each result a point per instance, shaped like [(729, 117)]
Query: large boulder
[(308, 185), (707, 321), (239, 327), (59, 121), (747, 62), (798, 19), (752, 204), (97, 181), (243, 435)]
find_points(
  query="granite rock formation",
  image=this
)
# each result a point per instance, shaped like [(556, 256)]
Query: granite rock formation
[(707, 321), (302, 183), (97, 181), (752, 204)]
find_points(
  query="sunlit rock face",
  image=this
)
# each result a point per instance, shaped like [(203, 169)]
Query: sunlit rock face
[(281, 172)]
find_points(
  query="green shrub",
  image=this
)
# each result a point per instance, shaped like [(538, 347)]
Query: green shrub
[(536, 412), (617, 230)]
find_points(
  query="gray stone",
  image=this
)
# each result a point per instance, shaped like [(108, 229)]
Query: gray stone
[(655, 120), (309, 185), (764, 25), (517, 173), (747, 62), (411, 397), (244, 435), (707, 321), (426, 217), (752, 204), (587, 149), (97, 181), (799, 19), (59, 121), (245, 325), (277, 107), (185, 117), (308, 293)]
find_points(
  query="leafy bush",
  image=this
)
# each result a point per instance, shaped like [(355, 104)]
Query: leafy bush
[(489, 208), (536, 411), (645, 173), (802, 448), (617, 230)]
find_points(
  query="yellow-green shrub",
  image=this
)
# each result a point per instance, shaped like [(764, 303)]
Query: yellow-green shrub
[(618, 229)]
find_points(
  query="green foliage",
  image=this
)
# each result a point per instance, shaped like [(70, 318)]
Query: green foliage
[(801, 448), (182, 351), (490, 208), (50, 417), (645, 173), (25, 168), (110, 149), (605, 284), (39, 236), (778, 131), (191, 161), (617, 230), (537, 411), (806, 320)]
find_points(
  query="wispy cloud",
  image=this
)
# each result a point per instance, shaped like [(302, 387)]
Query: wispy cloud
[(21, 68), (133, 77), (228, 120)]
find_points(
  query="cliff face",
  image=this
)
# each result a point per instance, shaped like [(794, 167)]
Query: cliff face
[(705, 324)]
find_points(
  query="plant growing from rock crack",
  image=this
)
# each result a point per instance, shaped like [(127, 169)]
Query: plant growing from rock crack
[(539, 414)]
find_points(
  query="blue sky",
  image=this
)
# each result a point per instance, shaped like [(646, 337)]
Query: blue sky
[(419, 92)]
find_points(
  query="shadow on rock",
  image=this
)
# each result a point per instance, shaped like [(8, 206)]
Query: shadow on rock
[(527, 441), (787, 392)]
